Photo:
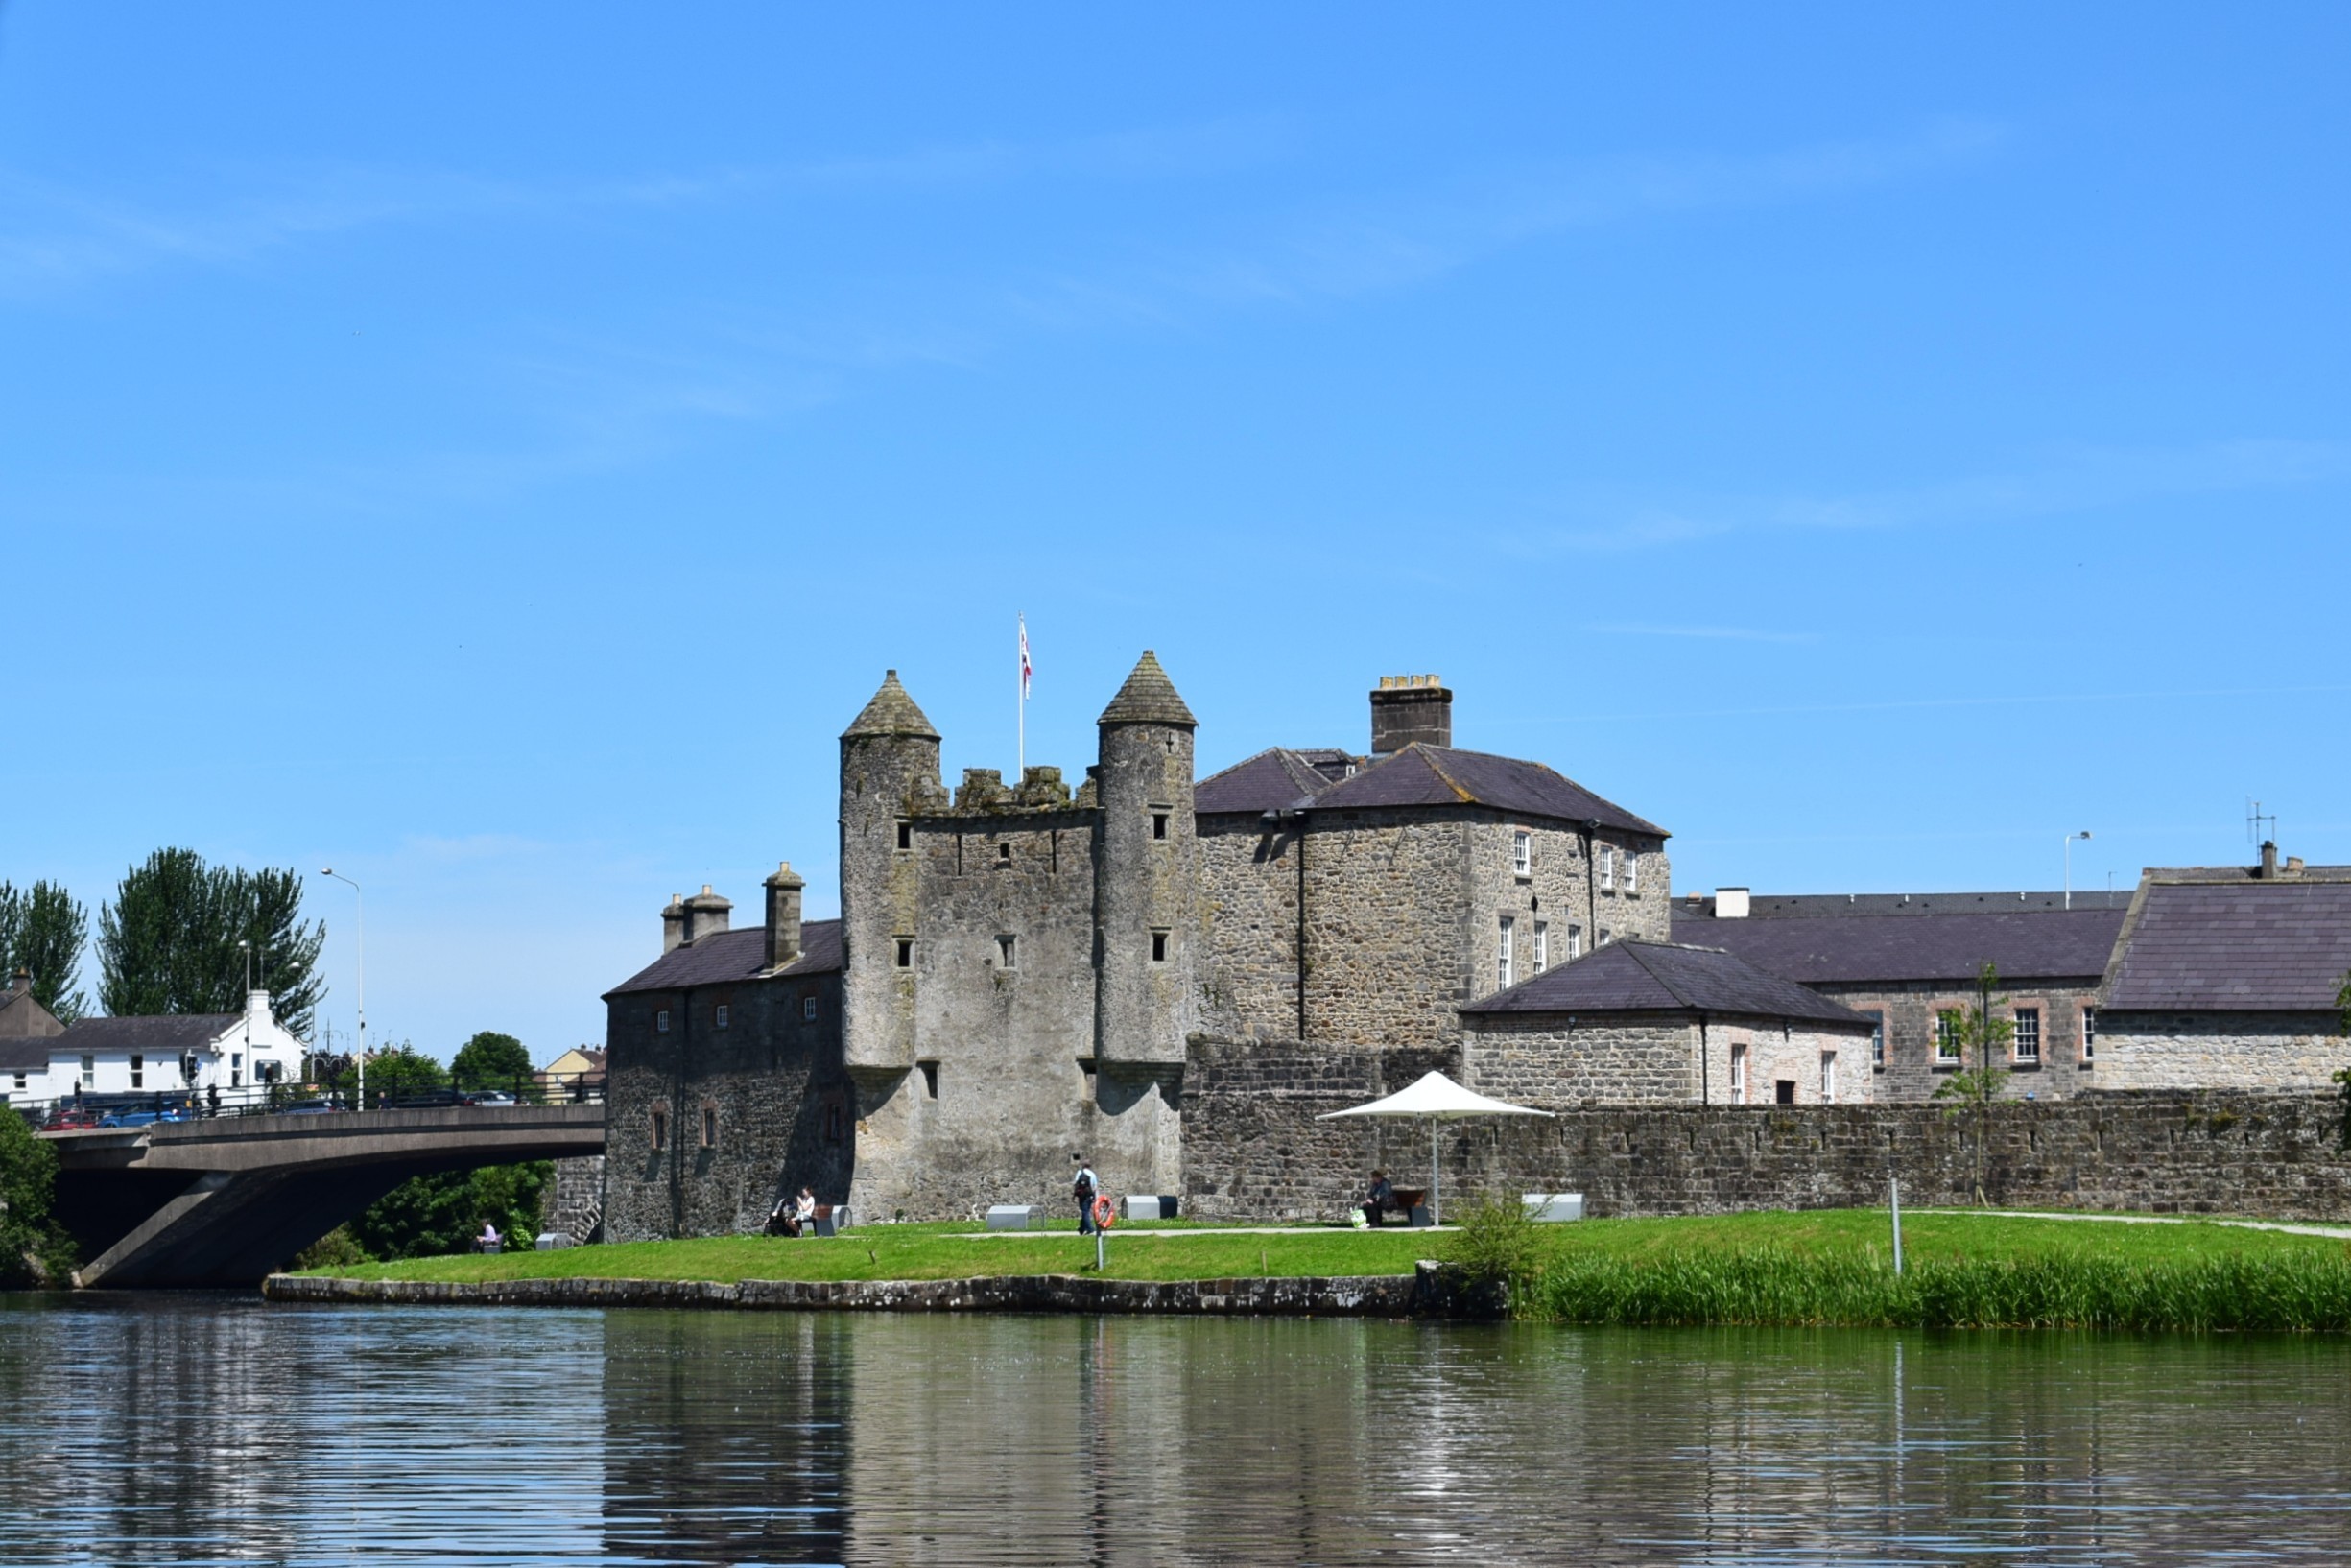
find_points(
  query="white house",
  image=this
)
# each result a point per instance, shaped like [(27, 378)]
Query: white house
[(161, 1055)]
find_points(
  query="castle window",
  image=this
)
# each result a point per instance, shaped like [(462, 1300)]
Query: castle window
[(718, 1017), (1738, 1075), (1522, 854), (1575, 943), (1504, 966), (1003, 952), (906, 835), (808, 1008), (833, 1119), (1632, 872), (930, 1079), (1607, 869), (1003, 854), (1542, 945), (1947, 1037), (710, 1127), (2089, 1037), (1158, 824), (1877, 1035), (661, 1021), (1158, 947), (138, 1072), (906, 952), (2028, 1036), (660, 1130), (1828, 1078)]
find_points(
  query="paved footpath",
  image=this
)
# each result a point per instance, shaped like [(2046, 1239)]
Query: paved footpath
[(1234, 1230), (2339, 1232)]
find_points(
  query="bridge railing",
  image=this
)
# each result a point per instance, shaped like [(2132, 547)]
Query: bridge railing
[(75, 1111)]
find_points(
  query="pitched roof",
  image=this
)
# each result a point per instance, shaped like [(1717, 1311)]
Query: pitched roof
[(23, 1017), (160, 1035), (2248, 946), (1634, 976), (891, 712), (725, 955), (1148, 697), (1434, 776), (2032, 945), (26, 1053), (1269, 781), (1813, 906)]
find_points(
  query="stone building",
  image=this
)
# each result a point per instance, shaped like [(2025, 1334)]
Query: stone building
[(1021, 971), (1909, 963), (1665, 1023), (2229, 977)]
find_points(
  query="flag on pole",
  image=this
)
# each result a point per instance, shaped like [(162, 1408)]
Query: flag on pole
[(1025, 671)]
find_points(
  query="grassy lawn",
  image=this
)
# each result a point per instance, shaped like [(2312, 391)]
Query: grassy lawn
[(1177, 1250)]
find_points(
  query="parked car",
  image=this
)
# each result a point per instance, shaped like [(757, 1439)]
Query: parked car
[(308, 1108), (422, 1098), (142, 1118), (67, 1118), (486, 1097)]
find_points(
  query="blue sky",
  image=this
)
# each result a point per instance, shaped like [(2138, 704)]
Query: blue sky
[(497, 451)]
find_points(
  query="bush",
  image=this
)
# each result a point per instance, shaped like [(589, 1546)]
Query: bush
[(435, 1215), (1499, 1246), (337, 1249), (33, 1248)]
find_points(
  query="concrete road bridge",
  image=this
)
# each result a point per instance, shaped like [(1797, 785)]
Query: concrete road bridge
[(224, 1201)]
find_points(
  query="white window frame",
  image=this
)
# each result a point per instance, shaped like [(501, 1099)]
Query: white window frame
[(1542, 945), (1877, 1035), (89, 1072), (2018, 1020), (808, 1008), (1738, 1073), (138, 1070), (1632, 873), (1522, 854), (720, 1018), (2089, 1034), (1828, 1078), (1575, 943), (1608, 868), (1505, 954), (1947, 1024), (661, 1020)]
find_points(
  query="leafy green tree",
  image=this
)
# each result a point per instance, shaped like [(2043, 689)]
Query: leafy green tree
[(491, 1061), (1980, 1030), (168, 944), (442, 1213), (43, 930), (396, 1072), (33, 1248)]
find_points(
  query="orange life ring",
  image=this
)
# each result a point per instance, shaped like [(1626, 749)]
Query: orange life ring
[(1106, 1212)]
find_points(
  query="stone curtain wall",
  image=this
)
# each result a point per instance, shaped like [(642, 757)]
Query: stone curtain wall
[(1253, 1148), (1250, 924), (2284, 1051)]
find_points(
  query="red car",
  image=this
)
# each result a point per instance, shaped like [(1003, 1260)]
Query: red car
[(68, 1117)]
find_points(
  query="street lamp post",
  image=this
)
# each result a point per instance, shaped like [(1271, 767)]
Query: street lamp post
[(2069, 865), (361, 965)]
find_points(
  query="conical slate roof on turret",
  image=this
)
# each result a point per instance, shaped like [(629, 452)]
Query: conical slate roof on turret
[(1149, 698), (891, 712)]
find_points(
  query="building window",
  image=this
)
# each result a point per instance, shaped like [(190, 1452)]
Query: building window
[(236, 1069), (1607, 869), (1505, 954), (1003, 854), (1632, 872), (2089, 1035), (1158, 824), (1738, 1075), (717, 1016), (661, 1021), (1828, 1078), (1877, 1035), (808, 1008), (1003, 951), (138, 1072), (906, 952), (1158, 947), (1947, 1037), (2029, 1036), (1602, 940), (89, 1072), (906, 835), (1542, 945), (661, 1130), (1522, 854), (20, 1083), (710, 1127), (833, 1119), (930, 1079), (1575, 943)]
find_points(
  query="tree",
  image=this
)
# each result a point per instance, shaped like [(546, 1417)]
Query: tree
[(442, 1213), (168, 944), (43, 930), (33, 1248), (491, 1061), (1976, 1088), (396, 1071)]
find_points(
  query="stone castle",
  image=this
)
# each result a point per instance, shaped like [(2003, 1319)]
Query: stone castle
[(1022, 972)]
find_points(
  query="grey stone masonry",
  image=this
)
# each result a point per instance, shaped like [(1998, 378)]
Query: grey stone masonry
[(1547, 1061), (1911, 1066), (2285, 1051)]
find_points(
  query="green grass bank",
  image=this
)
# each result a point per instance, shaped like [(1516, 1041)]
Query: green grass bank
[(1813, 1269)]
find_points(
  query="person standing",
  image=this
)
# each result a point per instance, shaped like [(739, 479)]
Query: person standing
[(1083, 1189)]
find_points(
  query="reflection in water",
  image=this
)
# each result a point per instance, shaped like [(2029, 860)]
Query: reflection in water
[(206, 1429)]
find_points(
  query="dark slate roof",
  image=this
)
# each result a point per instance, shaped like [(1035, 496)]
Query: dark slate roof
[(1269, 781), (1814, 905), (2037, 944), (163, 1034), (2254, 947), (1665, 976), (1433, 775), (741, 954), (891, 712), (1148, 697), (26, 1054)]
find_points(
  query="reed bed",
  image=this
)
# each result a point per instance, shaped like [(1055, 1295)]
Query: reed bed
[(2299, 1290)]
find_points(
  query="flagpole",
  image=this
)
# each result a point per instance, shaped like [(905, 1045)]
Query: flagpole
[(1020, 701)]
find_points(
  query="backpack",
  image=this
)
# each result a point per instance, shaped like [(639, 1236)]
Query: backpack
[(1082, 1187)]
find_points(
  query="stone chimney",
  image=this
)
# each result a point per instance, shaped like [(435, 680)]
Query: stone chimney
[(706, 915), (1410, 708), (783, 916), (1730, 903), (2269, 860), (673, 923), (22, 981)]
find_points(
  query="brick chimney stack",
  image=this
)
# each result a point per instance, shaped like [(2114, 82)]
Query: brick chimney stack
[(783, 916), (1406, 709)]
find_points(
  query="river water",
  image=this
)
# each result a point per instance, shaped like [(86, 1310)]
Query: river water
[(201, 1429)]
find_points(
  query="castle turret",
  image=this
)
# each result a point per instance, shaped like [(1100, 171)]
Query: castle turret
[(889, 763), (1145, 876)]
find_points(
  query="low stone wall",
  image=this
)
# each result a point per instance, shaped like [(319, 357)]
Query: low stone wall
[(1368, 1296), (1254, 1148)]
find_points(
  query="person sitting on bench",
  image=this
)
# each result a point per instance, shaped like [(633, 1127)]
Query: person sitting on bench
[(1381, 1197)]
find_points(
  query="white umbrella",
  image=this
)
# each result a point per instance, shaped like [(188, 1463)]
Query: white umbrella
[(1435, 1100)]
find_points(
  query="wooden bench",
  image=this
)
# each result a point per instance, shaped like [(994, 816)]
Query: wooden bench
[(1403, 1200)]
